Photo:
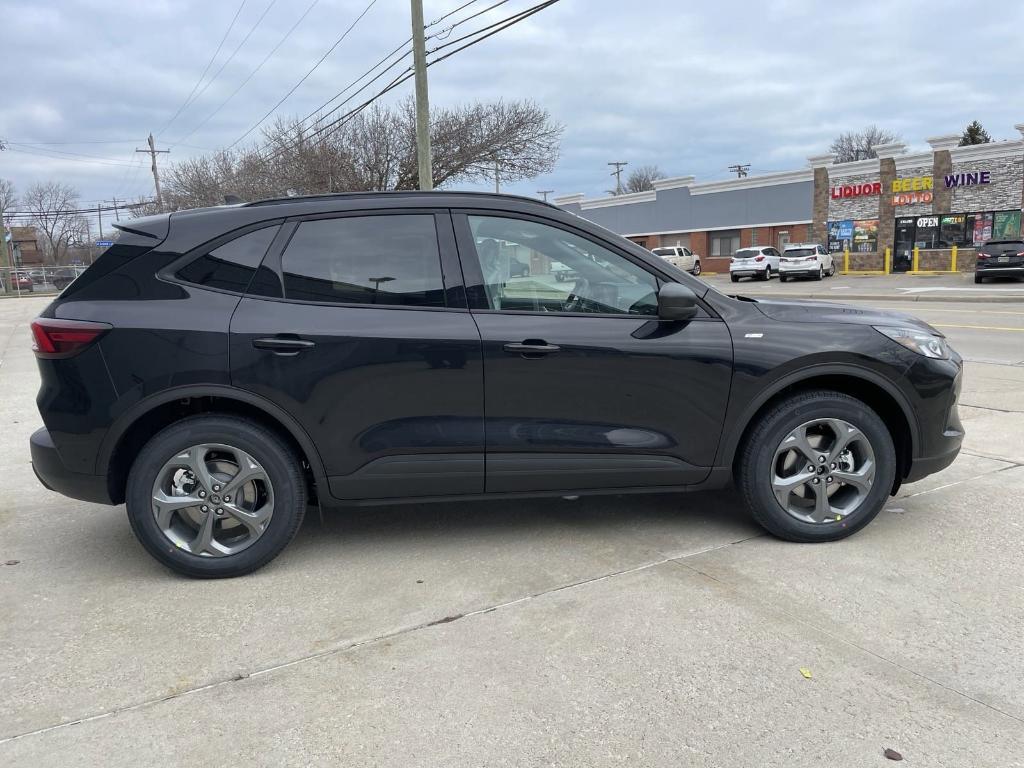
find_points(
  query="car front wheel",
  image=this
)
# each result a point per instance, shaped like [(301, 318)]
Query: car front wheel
[(818, 466), (215, 496)]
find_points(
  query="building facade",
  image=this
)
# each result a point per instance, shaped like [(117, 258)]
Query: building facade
[(926, 202)]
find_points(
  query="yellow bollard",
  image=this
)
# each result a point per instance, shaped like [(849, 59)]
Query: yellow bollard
[(846, 259), (917, 259), (888, 260), (952, 261)]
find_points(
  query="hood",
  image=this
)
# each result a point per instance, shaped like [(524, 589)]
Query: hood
[(797, 311)]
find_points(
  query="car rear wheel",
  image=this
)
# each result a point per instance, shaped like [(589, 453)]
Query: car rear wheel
[(215, 496), (821, 273), (696, 268), (734, 278), (818, 466), (978, 278), (767, 274)]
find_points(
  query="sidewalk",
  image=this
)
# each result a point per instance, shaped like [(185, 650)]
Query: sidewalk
[(960, 288)]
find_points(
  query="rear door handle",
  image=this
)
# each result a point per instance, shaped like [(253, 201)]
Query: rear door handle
[(531, 348), (283, 345)]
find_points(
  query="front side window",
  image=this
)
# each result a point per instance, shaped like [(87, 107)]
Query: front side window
[(231, 266), (391, 260), (567, 273)]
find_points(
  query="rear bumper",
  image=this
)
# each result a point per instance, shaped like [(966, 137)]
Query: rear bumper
[(52, 473), (799, 271), (1008, 271)]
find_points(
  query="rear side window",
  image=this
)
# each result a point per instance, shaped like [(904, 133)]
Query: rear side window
[(390, 260), (231, 266)]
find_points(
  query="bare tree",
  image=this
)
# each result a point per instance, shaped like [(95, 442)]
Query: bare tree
[(642, 179), (8, 198), (860, 145), (52, 208), (374, 150)]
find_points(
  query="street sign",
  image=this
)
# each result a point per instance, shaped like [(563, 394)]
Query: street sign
[(104, 243)]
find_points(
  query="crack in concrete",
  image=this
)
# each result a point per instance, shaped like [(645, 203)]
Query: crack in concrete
[(367, 642), (821, 630)]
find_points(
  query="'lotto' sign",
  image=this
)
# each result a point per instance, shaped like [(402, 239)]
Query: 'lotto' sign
[(856, 190)]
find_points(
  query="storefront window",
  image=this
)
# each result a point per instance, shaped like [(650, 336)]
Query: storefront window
[(979, 228), (725, 243), (840, 235), (1006, 225), (865, 235), (927, 232), (953, 231)]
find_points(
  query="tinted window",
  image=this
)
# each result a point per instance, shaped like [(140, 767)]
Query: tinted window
[(801, 252), (231, 266), (365, 260), (568, 273)]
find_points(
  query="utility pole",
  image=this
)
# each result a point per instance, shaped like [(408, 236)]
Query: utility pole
[(99, 215), (497, 171), (740, 169), (117, 214), (153, 152), (419, 57), (617, 173), (545, 193)]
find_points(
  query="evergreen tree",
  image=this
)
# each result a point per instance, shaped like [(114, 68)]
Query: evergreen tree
[(974, 134)]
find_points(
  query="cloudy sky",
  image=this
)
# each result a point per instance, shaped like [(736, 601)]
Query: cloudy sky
[(689, 86)]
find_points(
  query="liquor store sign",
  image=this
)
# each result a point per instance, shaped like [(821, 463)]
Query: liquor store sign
[(910, 190)]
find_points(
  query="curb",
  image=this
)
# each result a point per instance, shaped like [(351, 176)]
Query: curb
[(841, 297)]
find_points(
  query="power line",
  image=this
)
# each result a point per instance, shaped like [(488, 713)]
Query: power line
[(73, 143), (308, 73), (92, 161), (232, 56), (407, 74), (251, 74), (206, 69), (65, 152)]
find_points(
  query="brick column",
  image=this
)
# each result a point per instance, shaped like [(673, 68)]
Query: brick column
[(820, 197), (942, 163), (886, 210)]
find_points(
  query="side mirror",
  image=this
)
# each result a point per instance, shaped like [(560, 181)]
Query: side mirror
[(676, 302)]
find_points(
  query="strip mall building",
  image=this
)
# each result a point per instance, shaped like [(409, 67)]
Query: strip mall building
[(932, 201)]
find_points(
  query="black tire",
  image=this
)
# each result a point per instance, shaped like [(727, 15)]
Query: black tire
[(734, 278), (696, 268), (978, 278), (280, 463), (821, 273), (754, 464), (767, 275), (783, 279)]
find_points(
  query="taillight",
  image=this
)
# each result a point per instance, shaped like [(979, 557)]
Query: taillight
[(1020, 253), (759, 258), (64, 338), (732, 261), (983, 255)]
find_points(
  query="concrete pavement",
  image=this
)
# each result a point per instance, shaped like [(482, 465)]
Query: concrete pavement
[(613, 631)]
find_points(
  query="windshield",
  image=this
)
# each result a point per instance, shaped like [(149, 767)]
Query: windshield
[(798, 252)]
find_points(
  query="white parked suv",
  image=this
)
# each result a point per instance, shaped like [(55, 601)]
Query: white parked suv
[(806, 260), (761, 262), (679, 256)]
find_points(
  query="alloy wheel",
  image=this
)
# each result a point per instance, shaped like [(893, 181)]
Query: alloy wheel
[(823, 471), (212, 500)]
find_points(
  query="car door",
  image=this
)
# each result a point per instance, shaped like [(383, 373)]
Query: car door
[(357, 326), (584, 387), (826, 259), (686, 263)]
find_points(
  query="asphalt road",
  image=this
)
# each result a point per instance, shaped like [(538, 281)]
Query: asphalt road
[(614, 631)]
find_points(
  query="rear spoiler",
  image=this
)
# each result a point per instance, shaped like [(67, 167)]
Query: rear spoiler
[(155, 227)]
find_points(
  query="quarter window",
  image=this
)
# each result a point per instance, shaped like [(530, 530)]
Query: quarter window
[(532, 267), (231, 266), (390, 259)]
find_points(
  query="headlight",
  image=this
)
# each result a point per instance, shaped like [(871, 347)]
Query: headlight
[(922, 342)]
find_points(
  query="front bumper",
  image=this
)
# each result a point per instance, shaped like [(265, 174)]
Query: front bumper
[(52, 473), (942, 432)]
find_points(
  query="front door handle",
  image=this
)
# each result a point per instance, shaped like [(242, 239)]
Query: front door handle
[(283, 345), (531, 348)]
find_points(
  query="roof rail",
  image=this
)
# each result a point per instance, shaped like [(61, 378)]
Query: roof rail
[(390, 193)]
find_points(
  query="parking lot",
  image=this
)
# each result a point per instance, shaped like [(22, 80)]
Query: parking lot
[(607, 631)]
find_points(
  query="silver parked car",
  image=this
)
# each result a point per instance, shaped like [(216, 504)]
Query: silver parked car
[(679, 256)]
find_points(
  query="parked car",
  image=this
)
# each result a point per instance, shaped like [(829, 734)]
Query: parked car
[(679, 256), (806, 260), (63, 277), (37, 276), (999, 258), (18, 282), (760, 262), (563, 272), (218, 370), (517, 268)]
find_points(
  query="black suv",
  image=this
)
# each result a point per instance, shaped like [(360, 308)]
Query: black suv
[(218, 370), (1000, 258)]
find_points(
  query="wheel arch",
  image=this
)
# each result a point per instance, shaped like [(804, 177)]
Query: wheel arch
[(870, 388), (131, 430)]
